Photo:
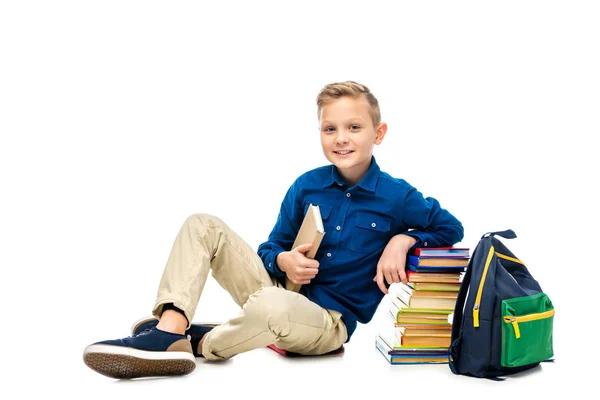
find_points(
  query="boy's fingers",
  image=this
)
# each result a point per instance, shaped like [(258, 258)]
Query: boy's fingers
[(402, 274), (309, 272), (303, 248), (389, 278), (379, 278)]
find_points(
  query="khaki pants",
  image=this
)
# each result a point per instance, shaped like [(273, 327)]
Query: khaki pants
[(270, 314)]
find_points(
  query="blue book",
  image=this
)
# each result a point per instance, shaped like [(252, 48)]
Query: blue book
[(442, 252), (417, 358)]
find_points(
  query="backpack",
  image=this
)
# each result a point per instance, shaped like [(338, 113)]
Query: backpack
[(502, 321)]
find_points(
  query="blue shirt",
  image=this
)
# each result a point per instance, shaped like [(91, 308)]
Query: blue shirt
[(359, 221)]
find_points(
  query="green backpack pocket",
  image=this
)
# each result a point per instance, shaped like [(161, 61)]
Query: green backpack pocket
[(527, 330)]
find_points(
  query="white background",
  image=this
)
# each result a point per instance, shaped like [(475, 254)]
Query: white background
[(118, 119)]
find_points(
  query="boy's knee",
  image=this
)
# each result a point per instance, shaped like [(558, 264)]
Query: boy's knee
[(273, 299), (203, 219), (271, 305)]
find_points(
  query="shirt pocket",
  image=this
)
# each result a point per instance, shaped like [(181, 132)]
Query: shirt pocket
[(324, 209), (371, 232)]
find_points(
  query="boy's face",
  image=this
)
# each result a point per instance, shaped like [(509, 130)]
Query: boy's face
[(348, 136)]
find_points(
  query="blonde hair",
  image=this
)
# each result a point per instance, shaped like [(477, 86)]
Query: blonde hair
[(334, 91)]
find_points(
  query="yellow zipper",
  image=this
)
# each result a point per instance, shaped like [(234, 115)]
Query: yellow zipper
[(480, 290), (510, 258), (526, 318)]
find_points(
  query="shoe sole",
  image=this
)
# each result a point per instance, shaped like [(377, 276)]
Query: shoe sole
[(127, 363)]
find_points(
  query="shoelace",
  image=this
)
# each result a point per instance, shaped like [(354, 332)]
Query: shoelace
[(145, 332)]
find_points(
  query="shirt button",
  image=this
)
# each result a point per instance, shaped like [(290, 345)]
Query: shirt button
[(373, 224), (269, 264), (328, 254), (425, 244), (337, 228), (348, 195)]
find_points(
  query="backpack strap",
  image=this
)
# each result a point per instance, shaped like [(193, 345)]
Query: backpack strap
[(457, 319), (460, 303)]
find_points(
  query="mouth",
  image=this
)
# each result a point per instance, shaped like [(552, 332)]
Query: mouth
[(343, 152)]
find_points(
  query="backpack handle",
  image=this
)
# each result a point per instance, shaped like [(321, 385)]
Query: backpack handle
[(507, 234)]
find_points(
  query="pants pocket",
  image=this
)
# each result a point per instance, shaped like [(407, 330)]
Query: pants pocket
[(527, 330)]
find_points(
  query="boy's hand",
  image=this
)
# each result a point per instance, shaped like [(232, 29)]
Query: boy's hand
[(392, 263), (298, 268)]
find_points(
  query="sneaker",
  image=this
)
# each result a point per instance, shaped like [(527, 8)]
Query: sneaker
[(194, 332), (151, 352)]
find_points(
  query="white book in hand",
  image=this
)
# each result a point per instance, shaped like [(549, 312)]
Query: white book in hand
[(311, 231)]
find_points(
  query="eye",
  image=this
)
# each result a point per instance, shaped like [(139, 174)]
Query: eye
[(354, 127), (329, 129)]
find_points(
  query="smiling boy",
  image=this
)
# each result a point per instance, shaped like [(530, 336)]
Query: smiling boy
[(372, 222)]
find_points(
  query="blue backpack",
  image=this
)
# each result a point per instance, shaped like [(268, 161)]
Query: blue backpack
[(502, 321)]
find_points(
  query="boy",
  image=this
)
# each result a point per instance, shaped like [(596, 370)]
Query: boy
[(372, 222)]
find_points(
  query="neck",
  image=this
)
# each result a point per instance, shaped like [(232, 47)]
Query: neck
[(353, 176)]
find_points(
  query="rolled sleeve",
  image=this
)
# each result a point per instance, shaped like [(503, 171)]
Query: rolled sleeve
[(429, 223), (269, 258)]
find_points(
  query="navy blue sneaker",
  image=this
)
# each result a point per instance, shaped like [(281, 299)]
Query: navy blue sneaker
[(194, 333), (151, 352)]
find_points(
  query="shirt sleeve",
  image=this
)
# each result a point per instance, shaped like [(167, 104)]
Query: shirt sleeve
[(429, 223), (284, 232)]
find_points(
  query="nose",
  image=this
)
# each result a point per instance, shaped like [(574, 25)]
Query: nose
[(341, 138)]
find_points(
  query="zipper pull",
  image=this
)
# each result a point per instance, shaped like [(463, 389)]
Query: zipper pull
[(476, 315), (515, 325)]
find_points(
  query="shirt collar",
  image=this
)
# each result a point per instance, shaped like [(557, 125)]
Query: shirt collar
[(368, 182)]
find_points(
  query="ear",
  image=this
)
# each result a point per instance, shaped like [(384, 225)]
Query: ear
[(380, 132)]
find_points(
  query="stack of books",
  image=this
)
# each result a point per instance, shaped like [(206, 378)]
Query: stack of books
[(421, 310)]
